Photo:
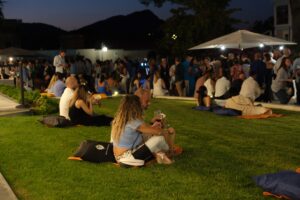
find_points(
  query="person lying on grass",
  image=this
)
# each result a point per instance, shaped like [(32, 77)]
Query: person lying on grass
[(135, 139), (81, 109)]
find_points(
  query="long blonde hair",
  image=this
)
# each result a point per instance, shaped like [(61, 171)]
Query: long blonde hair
[(130, 109), (52, 81), (156, 76)]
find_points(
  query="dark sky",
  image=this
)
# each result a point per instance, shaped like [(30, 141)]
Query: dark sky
[(72, 14)]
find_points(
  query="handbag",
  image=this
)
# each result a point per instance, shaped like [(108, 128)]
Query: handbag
[(94, 151)]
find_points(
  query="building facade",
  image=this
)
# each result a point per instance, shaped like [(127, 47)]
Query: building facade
[(283, 21)]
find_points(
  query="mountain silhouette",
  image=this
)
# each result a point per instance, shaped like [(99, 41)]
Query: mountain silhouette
[(133, 31), (138, 30)]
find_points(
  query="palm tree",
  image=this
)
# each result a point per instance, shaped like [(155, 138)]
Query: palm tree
[(295, 8)]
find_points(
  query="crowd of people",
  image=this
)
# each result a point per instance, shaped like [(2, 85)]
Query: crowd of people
[(238, 79), (135, 142), (222, 77)]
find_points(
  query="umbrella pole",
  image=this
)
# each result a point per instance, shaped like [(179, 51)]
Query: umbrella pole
[(22, 86)]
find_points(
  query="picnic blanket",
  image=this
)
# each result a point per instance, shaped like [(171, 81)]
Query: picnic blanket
[(261, 116)]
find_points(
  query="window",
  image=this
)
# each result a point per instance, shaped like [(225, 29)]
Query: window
[(282, 13)]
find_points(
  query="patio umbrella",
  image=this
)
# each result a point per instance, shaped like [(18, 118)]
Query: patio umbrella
[(242, 39), (17, 52)]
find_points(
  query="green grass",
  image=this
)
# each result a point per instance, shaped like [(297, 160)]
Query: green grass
[(221, 155)]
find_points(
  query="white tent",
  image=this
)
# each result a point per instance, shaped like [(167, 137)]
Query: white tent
[(242, 39)]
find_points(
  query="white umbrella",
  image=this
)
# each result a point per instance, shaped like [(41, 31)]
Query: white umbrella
[(242, 39)]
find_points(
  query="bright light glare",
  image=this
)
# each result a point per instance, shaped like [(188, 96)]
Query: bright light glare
[(281, 48), (223, 48), (261, 45), (174, 37), (11, 59), (116, 93), (105, 49)]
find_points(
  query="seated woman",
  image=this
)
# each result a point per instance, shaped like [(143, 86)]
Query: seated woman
[(102, 87), (159, 86), (134, 139), (51, 84), (203, 99), (81, 110), (282, 85)]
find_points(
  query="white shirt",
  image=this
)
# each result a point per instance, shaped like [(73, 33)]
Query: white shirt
[(250, 89), (210, 87), (59, 63), (64, 103), (277, 64), (222, 86)]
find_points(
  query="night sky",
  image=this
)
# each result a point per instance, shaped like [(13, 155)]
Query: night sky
[(73, 14)]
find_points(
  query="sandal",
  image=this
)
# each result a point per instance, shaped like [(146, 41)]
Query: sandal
[(162, 158)]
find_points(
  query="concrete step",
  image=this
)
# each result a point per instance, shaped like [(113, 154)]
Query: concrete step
[(6, 192)]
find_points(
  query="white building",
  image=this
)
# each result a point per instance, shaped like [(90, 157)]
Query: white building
[(283, 19)]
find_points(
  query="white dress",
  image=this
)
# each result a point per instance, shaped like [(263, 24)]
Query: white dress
[(158, 89)]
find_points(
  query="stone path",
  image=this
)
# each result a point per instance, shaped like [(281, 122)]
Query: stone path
[(8, 107)]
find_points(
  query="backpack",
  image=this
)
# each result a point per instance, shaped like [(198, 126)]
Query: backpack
[(55, 121), (94, 151)]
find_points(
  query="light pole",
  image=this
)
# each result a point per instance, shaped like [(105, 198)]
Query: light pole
[(22, 86)]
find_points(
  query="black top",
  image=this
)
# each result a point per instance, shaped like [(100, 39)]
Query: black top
[(179, 73), (78, 116)]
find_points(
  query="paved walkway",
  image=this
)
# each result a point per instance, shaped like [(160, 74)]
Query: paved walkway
[(275, 105), (8, 107), (6, 192), (7, 104)]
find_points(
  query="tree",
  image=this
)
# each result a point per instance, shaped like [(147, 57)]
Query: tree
[(193, 22), (1, 8), (295, 9), (263, 26)]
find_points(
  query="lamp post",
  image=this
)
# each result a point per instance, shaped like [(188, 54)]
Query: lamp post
[(22, 86)]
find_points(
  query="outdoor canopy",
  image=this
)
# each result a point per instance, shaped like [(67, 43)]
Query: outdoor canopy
[(242, 39)]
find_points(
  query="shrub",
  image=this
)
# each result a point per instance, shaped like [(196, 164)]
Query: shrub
[(44, 106), (40, 105)]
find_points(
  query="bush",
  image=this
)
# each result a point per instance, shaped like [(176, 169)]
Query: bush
[(40, 105), (44, 106)]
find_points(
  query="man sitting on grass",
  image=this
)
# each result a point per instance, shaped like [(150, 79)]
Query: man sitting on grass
[(145, 97), (66, 97)]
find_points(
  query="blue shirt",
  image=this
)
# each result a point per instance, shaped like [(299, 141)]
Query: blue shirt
[(131, 138), (186, 66), (58, 88), (259, 67)]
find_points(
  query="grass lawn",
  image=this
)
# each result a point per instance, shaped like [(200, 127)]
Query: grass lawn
[(221, 154)]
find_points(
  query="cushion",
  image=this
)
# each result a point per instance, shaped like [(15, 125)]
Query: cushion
[(47, 95), (285, 184), (55, 121), (262, 116), (100, 96), (227, 112)]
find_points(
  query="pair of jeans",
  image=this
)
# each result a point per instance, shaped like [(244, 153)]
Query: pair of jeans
[(283, 96)]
